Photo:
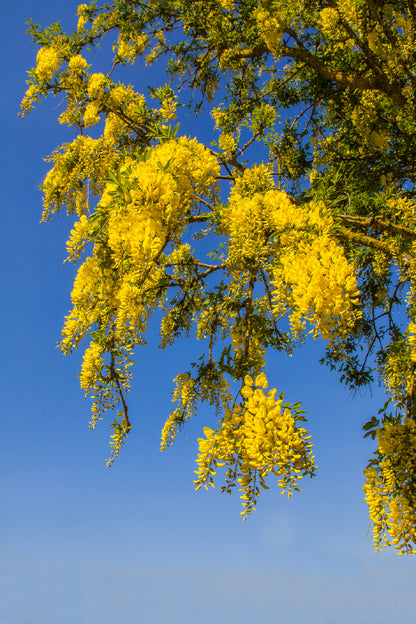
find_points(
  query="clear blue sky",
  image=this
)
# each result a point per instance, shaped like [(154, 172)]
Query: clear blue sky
[(133, 544)]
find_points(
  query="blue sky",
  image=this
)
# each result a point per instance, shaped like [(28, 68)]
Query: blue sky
[(133, 544)]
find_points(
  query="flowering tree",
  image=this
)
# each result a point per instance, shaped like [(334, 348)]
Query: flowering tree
[(306, 203)]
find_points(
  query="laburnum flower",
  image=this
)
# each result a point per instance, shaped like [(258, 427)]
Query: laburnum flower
[(91, 114), (47, 63), (77, 63), (389, 487), (256, 438)]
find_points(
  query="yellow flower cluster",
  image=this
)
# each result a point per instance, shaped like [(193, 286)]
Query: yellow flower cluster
[(390, 489), (30, 98), (351, 11), (398, 371), (91, 114), (47, 63), (96, 85), (90, 287), (247, 219), (219, 116), (117, 439), (92, 365), (161, 189), (403, 209), (168, 109), (78, 238), (255, 439), (126, 105), (126, 50), (184, 394), (74, 80), (271, 30), (320, 286), (82, 16), (311, 276), (113, 129), (74, 163), (227, 143), (412, 340), (77, 63), (328, 19), (257, 179)]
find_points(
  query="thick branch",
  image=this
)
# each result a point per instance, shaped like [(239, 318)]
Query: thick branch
[(380, 225), (366, 241)]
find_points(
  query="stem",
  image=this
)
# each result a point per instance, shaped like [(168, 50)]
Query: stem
[(116, 376)]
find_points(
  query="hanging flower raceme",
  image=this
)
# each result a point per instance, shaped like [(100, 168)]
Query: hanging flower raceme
[(320, 287), (390, 487), (261, 436)]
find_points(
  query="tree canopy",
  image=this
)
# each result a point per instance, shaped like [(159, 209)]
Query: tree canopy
[(299, 221)]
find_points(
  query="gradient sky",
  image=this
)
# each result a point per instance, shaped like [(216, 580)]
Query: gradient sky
[(133, 544)]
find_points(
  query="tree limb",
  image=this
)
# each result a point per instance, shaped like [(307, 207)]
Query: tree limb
[(366, 241)]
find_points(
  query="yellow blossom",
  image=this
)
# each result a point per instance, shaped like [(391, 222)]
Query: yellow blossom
[(47, 62), (91, 114), (77, 63)]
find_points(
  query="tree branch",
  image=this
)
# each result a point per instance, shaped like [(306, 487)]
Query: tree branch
[(380, 225), (366, 241)]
